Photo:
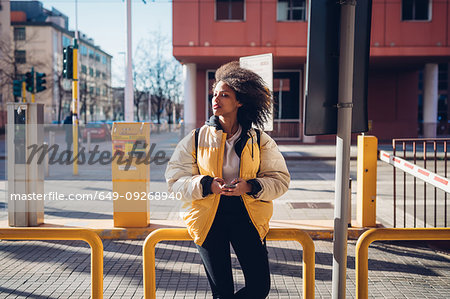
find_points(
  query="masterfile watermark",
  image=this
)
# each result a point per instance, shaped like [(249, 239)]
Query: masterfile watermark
[(97, 195), (105, 157)]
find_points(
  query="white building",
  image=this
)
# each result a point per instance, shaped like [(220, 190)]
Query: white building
[(38, 38)]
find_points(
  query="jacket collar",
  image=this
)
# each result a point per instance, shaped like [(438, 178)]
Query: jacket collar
[(213, 121), (240, 143)]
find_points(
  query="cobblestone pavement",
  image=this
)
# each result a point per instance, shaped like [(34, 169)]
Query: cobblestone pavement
[(61, 269)]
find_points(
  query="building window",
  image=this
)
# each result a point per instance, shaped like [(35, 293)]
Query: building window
[(229, 9), (20, 56), (66, 41), (91, 72), (291, 10), (19, 33), (97, 73), (104, 60), (416, 10), (443, 76), (104, 76), (83, 69), (97, 91), (83, 50), (91, 54), (91, 90)]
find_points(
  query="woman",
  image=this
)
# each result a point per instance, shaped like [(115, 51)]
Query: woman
[(229, 173)]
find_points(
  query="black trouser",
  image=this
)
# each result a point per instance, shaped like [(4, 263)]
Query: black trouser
[(233, 225)]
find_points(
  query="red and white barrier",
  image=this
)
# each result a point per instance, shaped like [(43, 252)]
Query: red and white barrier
[(417, 171)]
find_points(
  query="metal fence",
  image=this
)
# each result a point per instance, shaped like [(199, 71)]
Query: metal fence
[(419, 196)]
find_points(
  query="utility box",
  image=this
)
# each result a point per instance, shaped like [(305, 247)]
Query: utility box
[(25, 133), (131, 174), (366, 210)]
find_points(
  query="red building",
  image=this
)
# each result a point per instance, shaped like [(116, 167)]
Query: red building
[(409, 58)]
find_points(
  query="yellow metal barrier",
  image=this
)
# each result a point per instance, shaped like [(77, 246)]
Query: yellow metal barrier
[(88, 236), (276, 234), (366, 181), (388, 234)]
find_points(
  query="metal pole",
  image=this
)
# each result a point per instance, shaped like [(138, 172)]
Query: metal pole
[(33, 99), (24, 90), (129, 76), (75, 94), (33, 96), (88, 141), (343, 139), (149, 107)]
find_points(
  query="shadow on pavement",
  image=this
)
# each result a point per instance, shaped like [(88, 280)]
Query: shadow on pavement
[(22, 294), (51, 211), (79, 215)]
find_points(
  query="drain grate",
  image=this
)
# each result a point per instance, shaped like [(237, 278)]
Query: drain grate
[(311, 205)]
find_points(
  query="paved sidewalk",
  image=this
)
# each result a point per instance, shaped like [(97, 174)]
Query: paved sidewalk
[(61, 269)]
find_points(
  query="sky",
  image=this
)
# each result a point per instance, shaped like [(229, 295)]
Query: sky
[(105, 22)]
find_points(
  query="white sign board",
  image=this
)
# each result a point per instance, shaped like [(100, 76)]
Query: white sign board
[(263, 66)]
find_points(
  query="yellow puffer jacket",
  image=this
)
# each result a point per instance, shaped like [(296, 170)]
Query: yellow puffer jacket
[(185, 171)]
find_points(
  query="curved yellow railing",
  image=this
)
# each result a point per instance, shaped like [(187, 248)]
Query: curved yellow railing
[(276, 234), (388, 234), (94, 241)]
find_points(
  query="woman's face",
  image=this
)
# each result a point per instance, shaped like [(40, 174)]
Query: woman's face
[(224, 101)]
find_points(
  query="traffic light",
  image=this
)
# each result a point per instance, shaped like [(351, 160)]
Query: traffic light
[(17, 88), (29, 80), (40, 81), (68, 62)]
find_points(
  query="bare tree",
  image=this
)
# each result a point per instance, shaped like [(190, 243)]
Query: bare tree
[(108, 109), (118, 102), (9, 68), (139, 91), (84, 97), (158, 73), (12, 65)]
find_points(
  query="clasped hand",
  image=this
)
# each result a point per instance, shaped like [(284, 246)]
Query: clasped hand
[(218, 187)]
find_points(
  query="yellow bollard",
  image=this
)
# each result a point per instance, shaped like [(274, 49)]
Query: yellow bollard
[(131, 174), (366, 181)]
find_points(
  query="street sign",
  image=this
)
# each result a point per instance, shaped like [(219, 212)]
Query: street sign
[(263, 66), (322, 67)]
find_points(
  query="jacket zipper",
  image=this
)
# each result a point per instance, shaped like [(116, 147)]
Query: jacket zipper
[(242, 198), (217, 196)]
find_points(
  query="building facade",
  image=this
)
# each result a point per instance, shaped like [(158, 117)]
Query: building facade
[(5, 67), (409, 55), (38, 36)]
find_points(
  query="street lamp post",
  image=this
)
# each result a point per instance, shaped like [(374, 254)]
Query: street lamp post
[(129, 115)]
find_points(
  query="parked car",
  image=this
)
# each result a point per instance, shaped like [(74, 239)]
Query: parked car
[(98, 131)]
